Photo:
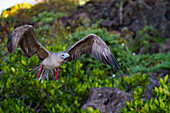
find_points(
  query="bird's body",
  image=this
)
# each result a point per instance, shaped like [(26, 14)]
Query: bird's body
[(91, 44), (53, 61)]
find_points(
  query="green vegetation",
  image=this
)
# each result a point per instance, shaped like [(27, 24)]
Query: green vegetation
[(22, 92), (148, 37), (48, 17), (130, 83), (159, 104)]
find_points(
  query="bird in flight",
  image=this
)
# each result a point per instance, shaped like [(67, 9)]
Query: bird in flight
[(24, 36)]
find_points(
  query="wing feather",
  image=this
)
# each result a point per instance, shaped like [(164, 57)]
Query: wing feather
[(92, 44), (25, 37)]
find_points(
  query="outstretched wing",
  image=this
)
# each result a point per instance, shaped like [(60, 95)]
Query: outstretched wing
[(25, 37), (92, 44)]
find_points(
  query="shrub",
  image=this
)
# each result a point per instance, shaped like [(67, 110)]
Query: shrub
[(159, 104)]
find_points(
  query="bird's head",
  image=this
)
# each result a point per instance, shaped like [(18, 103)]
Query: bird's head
[(64, 55)]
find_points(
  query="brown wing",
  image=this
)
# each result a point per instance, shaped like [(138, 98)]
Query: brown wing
[(25, 37), (92, 44)]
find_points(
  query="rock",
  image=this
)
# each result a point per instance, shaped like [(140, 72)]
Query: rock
[(142, 50), (148, 94), (167, 14), (107, 99), (106, 23), (116, 14), (165, 47)]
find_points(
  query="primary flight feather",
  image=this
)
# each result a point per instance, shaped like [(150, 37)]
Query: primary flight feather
[(24, 36)]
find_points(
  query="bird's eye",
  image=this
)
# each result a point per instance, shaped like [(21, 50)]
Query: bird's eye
[(62, 55)]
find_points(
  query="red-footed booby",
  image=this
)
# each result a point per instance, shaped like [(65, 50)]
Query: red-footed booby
[(24, 36)]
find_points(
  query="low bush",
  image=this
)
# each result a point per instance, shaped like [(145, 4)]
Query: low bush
[(159, 104)]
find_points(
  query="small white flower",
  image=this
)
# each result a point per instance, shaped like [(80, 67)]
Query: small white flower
[(113, 75), (123, 44), (137, 66), (133, 53)]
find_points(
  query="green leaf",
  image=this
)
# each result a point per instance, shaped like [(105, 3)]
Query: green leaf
[(1, 111), (161, 81), (153, 107), (166, 92), (162, 105), (90, 109), (156, 89), (76, 103), (136, 105), (23, 62), (151, 101), (140, 91), (124, 110), (127, 102), (160, 100), (166, 78), (141, 102), (160, 90), (165, 86), (44, 85), (13, 69), (12, 28), (52, 92), (147, 107), (53, 110), (131, 102), (164, 97), (132, 109), (156, 102)]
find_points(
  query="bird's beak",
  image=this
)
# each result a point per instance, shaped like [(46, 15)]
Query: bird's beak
[(65, 55)]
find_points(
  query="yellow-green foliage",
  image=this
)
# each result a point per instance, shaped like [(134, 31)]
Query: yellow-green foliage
[(130, 83), (159, 104), (13, 10)]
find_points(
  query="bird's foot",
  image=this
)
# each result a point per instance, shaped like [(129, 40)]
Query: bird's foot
[(43, 71), (57, 74), (40, 71)]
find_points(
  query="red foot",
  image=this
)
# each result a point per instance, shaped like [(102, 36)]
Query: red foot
[(40, 71), (57, 74)]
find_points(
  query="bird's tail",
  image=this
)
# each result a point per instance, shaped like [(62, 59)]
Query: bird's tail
[(45, 73)]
